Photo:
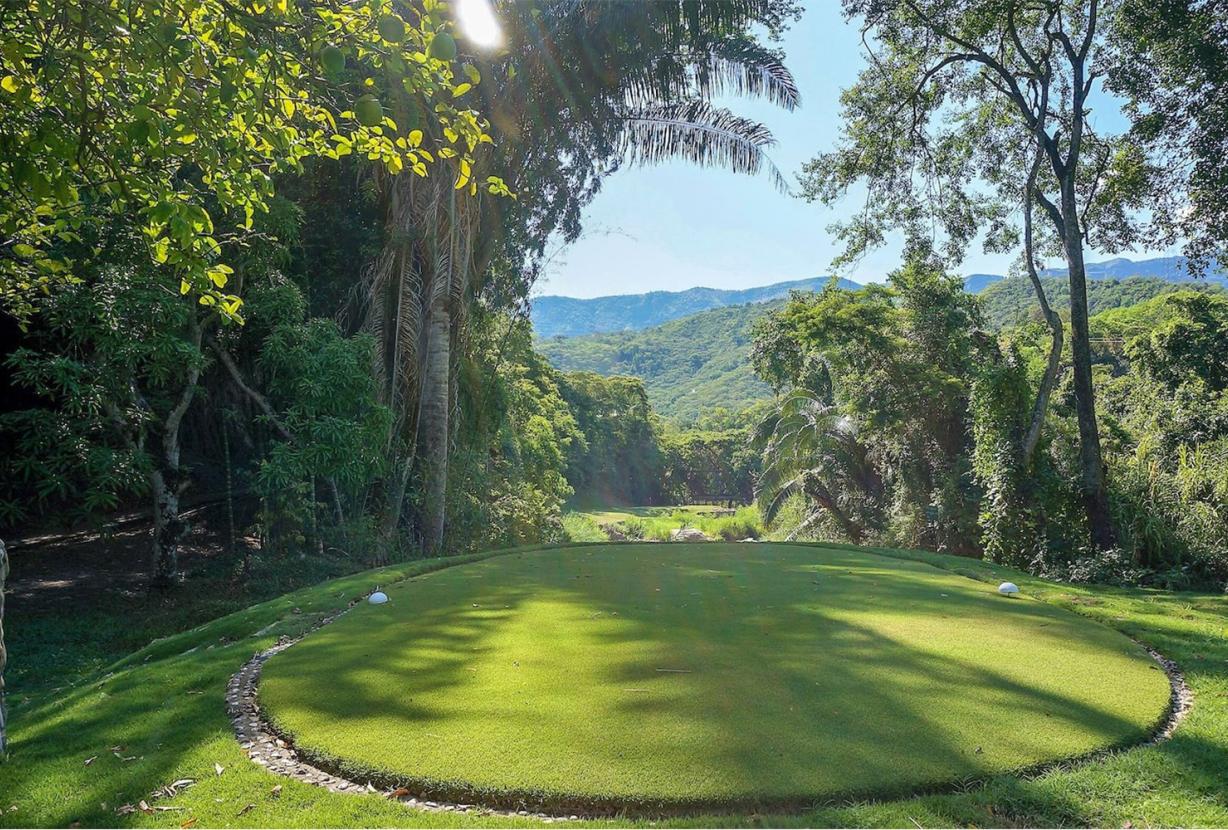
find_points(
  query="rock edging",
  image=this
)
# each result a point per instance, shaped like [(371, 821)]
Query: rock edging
[(264, 746)]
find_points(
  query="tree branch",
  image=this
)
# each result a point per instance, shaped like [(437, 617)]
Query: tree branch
[(260, 400)]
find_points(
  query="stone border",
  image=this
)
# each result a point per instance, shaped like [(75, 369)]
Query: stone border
[(276, 753), (264, 746), (1180, 700)]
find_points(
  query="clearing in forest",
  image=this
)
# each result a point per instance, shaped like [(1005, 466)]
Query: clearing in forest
[(625, 677)]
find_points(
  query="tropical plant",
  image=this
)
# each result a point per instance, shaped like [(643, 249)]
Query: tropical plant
[(441, 254), (810, 447), (895, 360)]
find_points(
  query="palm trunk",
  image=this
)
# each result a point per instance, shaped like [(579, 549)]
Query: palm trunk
[(434, 427), (4, 572), (1091, 477), (823, 497)]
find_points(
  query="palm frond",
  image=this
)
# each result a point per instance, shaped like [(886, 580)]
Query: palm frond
[(700, 133), (743, 67)]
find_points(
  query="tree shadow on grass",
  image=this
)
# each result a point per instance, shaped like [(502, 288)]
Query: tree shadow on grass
[(723, 680)]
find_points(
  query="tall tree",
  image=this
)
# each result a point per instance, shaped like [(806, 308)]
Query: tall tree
[(580, 89), (958, 99)]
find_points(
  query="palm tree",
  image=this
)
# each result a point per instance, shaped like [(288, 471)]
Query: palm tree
[(809, 447), (586, 86)]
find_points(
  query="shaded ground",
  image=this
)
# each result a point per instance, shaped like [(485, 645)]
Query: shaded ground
[(79, 600), (92, 567)]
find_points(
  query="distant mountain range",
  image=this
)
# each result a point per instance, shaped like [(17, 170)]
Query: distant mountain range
[(1168, 268), (701, 361), (555, 316), (568, 316)]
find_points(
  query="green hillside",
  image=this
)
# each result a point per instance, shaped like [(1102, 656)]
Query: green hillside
[(688, 365), (702, 361), (1012, 301)]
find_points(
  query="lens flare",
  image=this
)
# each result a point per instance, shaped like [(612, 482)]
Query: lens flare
[(478, 23)]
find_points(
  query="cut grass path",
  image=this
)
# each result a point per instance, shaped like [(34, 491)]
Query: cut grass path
[(653, 677), (165, 706)]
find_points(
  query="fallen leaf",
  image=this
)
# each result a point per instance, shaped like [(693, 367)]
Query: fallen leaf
[(91, 760), (218, 768), (276, 791), (247, 809), (189, 823), (399, 792), (172, 789), (144, 807), (125, 810)]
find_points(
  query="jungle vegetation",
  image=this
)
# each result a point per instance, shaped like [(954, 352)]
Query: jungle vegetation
[(278, 256)]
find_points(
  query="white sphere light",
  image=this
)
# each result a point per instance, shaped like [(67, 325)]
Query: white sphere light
[(378, 598), (478, 23), (1008, 588)]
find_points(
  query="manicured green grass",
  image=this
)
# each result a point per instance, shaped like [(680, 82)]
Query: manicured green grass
[(658, 523), (165, 705), (709, 676)]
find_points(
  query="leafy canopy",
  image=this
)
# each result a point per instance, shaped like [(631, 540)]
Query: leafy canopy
[(179, 113)]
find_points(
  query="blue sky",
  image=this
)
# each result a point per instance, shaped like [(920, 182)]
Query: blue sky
[(676, 226)]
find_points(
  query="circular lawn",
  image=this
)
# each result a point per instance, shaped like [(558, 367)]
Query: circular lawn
[(671, 676)]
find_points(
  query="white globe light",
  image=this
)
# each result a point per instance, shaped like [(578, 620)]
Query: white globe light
[(478, 23), (1008, 588), (378, 598)]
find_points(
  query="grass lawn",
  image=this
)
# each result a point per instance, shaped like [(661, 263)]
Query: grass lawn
[(657, 523), (164, 708), (705, 676)]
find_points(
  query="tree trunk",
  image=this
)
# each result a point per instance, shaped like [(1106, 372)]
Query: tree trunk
[(1049, 380), (169, 530), (1091, 477), (434, 426), (4, 572), (823, 497), (168, 481)]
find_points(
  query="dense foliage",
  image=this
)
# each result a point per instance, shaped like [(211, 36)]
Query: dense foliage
[(875, 432), (1012, 302), (337, 171), (905, 424)]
